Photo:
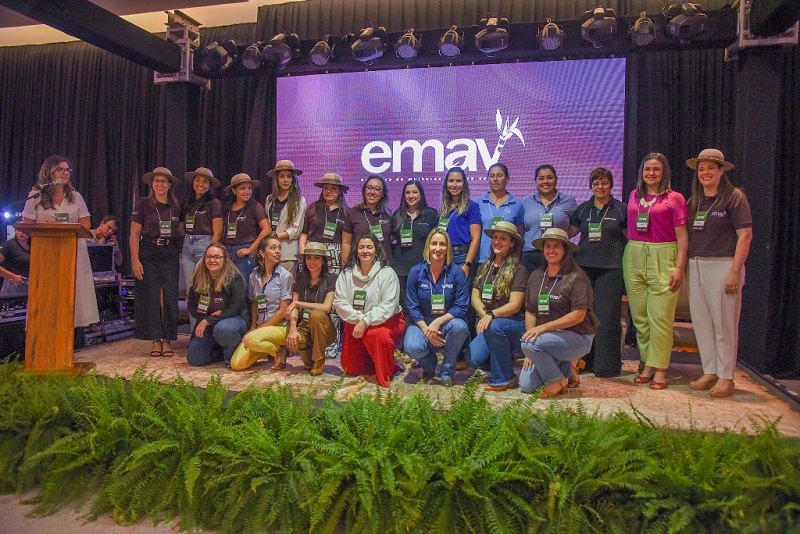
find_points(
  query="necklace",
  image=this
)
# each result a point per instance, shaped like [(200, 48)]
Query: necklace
[(646, 204)]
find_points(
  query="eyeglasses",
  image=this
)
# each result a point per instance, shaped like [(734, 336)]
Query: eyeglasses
[(598, 185), (160, 181), (64, 169), (376, 188), (215, 258)]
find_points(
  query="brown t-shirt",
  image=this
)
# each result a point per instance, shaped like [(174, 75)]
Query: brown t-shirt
[(150, 213), (359, 220), (203, 211), (314, 225), (309, 293), (517, 284), (718, 237), (247, 219), (564, 298)]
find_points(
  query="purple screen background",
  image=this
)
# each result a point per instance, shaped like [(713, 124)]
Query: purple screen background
[(570, 114)]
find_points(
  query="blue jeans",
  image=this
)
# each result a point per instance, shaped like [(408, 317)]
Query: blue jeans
[(551, 348), (220, 339), (495, 346), (530, 381), (456, 335), (194, 248), (246, 264)]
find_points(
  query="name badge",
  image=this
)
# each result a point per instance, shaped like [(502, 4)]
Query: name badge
[(546, 220), (487, 292), (543, 304), (595, 232), (437, 304), (261, 303), (444, 222), (496, 220), (405, 237), (231, 230), (165, 228), (189, 224), (359, 299), (699, 220), (61, 217), (202, 304), (304, 314), (376, 230), (642, 222), (329, 230), (275, 219)]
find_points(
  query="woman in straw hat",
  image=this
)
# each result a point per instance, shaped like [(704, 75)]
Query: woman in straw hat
[(310, 325), (558, 319), (246, 223), (498, 295), (155, 261), (325, 219), (286, 209), (719, 242), (202, 220), (653, 265)]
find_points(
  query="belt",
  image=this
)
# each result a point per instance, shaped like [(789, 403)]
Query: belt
[(159, 242), (461, 248)]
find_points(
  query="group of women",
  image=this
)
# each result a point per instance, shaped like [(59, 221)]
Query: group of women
[(426, 277)]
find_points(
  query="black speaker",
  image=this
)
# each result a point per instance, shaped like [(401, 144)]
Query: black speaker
[(773, 17)]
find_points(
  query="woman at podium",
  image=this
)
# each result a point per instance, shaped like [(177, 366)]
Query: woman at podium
[(60, 203)]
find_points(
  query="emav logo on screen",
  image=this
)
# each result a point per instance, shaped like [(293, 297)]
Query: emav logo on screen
[(379, 156)]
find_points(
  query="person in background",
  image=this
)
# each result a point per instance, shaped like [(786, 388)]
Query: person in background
[(218, 304), (653, 265), (461, 218), (246, 223), (367, 299), (15, 264), (559, 324), (498, 295), (60, 202), (411, 224), (269, 291), (719, 243), (286, 209), (155, 261), (325, 219), (603, 224), (370, 216), (498, 205), (202, 220), (438, 298), (310, 326), (106, 233), (546, 208)]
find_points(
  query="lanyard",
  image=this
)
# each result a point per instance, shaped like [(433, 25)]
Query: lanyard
[(603, 218), (169, 208), (316, 293), (712, 205), (237, 213), (334, 217), (194, 205), (558, 278), (444, 281)]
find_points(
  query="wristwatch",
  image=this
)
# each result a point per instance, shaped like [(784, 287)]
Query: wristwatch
[(490, 313), (468, 263)]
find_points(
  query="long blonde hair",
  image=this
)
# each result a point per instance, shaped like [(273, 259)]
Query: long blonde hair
[(201, 278), (504, 279)]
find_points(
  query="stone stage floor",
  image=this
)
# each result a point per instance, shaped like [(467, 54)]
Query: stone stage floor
[(677, 406)]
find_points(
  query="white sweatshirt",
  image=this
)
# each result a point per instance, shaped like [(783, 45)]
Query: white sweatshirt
[(383, 295)]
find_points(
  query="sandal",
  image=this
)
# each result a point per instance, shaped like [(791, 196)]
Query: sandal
[(156, 353), (169, 353), (280, 360)]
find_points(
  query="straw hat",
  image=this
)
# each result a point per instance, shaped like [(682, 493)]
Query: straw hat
[(205, 173), (556, 234), (160, 171), (284, 165), (710, 154), (242, 178), (331, 178), (313, 249), (507, 227)]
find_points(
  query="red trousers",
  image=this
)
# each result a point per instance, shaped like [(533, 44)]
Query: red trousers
[(374, 352)]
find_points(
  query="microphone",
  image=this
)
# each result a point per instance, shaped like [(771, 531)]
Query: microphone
[(39, 187)]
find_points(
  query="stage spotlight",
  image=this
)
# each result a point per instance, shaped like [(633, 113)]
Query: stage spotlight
[(451, 43), (370, 45), (218, 57), (690, 23), (643, 31), (599, 26), (251, 57), (322, 51), (282, 49), (551, 37), (407, 46), (493, 36)]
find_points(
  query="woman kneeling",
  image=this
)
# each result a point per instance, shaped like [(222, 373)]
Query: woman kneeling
[(558, 318), (367, 299), (217, 302)]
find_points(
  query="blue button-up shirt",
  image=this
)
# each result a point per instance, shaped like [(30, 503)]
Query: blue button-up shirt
[(277, 289), (562, 207), (510, 210), (452, 282)]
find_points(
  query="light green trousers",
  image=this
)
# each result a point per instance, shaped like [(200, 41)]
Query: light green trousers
[(647, 268)]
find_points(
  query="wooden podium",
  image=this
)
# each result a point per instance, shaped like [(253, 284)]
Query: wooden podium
[(51, 296)]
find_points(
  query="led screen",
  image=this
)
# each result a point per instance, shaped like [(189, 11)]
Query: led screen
[(416, 123)]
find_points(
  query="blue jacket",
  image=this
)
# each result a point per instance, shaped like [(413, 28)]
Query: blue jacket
[(453, 282)]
